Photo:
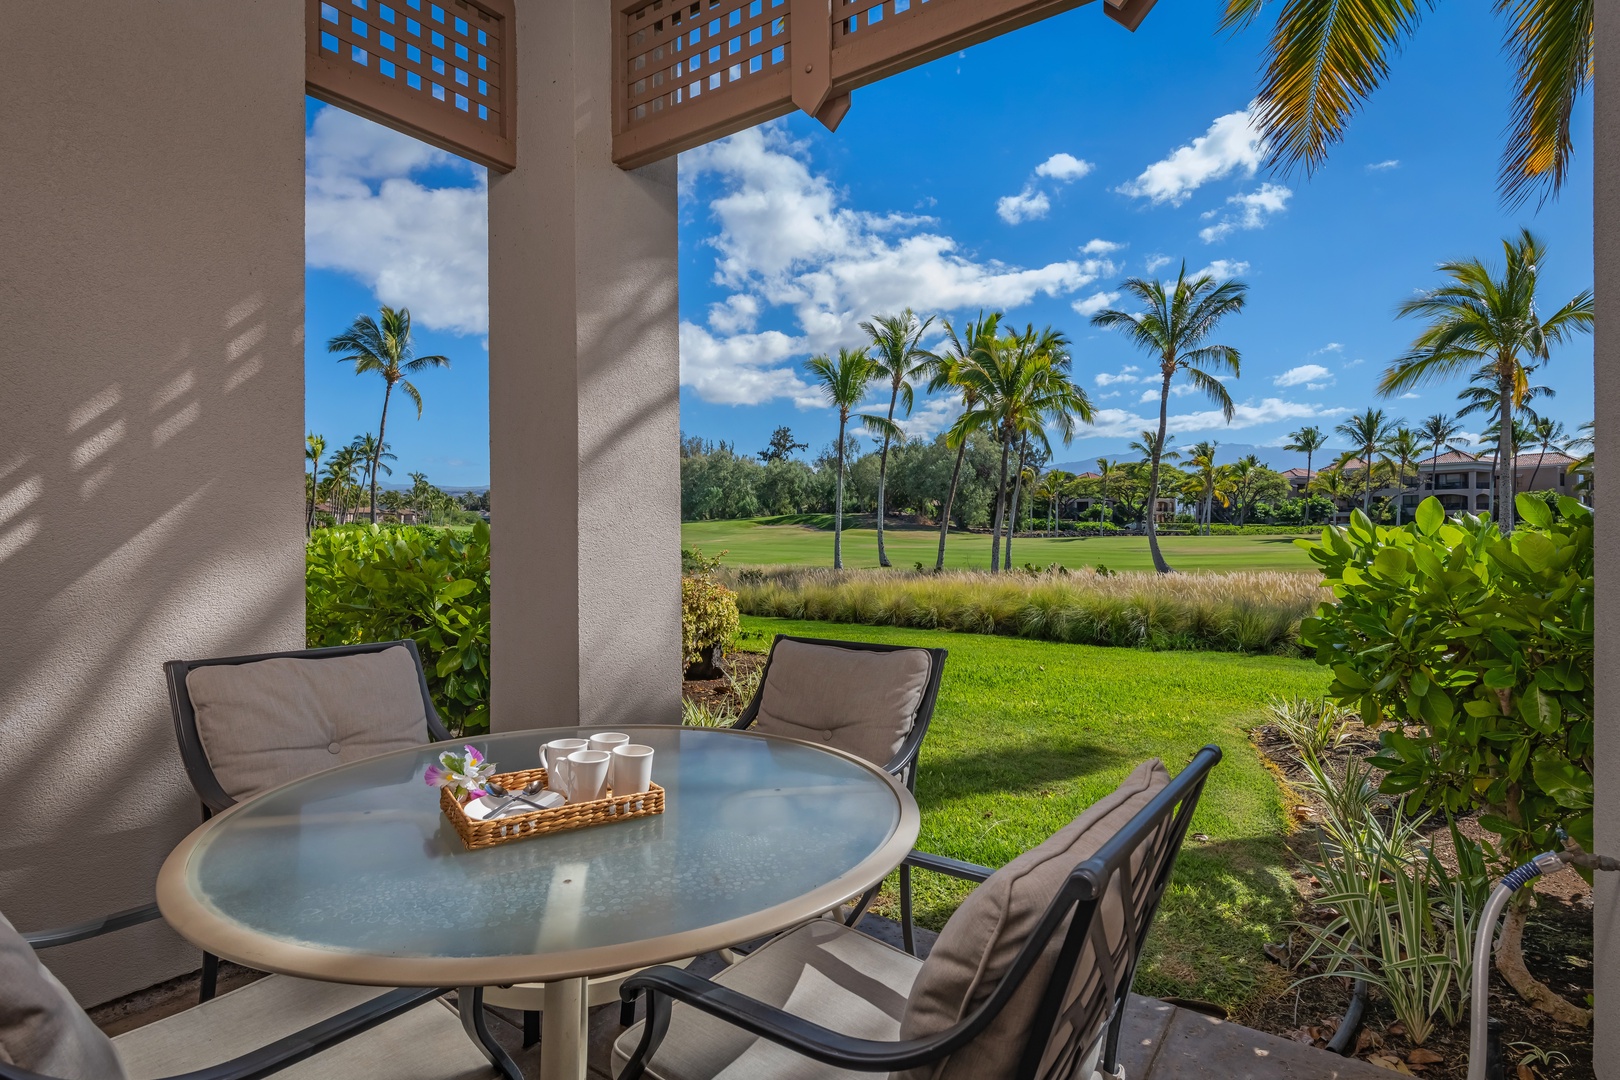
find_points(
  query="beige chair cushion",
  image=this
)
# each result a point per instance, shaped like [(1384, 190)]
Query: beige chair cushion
[(265, 723), (854, 700), (980, 941), (42, 1029), (823, 972), (426, 1043)]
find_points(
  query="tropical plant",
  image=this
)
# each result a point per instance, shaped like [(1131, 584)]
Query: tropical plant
[(1020, 386), (945, 367), (1549, 435), (696, 714), (709, 621), (339, 482), (314, 447), (1404, 448), (386, 350), (1484, 641), (1207, 479), (1312, 726), (843, 383), (1325, 58), (1369, 433), (1484, 323), (369, 583), (1436, 431), (1174, 327), (1307, 441), (898, 358)]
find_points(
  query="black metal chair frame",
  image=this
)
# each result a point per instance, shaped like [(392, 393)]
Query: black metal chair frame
[(201, 770), (291, 1049), (1079, 897), (903, 764)]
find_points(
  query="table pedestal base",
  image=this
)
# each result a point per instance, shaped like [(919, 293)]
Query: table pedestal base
[(562, 1030)]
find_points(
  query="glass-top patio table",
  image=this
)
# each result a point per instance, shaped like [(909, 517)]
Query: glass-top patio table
[(353, 875)]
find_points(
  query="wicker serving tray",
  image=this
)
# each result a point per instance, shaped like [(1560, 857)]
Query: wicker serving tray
[(480, 834)]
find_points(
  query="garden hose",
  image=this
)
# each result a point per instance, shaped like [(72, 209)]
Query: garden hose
[(1479, 1002)]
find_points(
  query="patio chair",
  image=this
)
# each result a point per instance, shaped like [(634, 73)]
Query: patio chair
[(870, 700), (246, 724), (278, 1025), (1028, 980)]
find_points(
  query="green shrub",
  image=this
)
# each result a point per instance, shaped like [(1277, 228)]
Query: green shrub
[(709, 617), (1482, 645), (375, 583)]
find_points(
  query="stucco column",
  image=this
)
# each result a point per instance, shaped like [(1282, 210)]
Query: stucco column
[(1606, 357), (151, 422), (584, 401)]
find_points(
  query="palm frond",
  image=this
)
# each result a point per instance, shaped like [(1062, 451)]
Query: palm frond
[(1551, 42)]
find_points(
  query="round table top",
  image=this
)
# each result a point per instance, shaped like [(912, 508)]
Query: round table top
[(354, 875)]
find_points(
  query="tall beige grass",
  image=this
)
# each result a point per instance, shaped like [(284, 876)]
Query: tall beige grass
[(1252, 611)]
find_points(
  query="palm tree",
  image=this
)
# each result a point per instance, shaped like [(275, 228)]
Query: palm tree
[(843, 382), (314, 447), (1332, 484), (372, 455), (1174, 327), (1483, 323), (1405, 447), (386, 350), (1368, 433), (943, 370), (1326, 57), (1436, 431), (1020, 385), (1201, 456), (340, 469), (1549, 434), (1054, 483), (1307, 441), (899, 359), (1105, 472)]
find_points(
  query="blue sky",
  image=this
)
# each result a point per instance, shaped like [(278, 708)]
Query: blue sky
[(1032, 173)]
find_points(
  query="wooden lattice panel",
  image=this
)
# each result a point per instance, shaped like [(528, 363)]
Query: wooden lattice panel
[(440, 69), (688, 71)]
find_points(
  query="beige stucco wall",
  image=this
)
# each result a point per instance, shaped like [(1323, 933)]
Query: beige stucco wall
[(584, 400), (1606, 265), (151, 412)]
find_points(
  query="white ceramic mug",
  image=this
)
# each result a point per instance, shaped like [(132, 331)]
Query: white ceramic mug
[(557, 749), (583, 774), (607, 740), (632, 769)]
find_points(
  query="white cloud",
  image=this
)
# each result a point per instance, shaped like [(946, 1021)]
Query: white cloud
[(1233, 143), (1090, 305), (1028, 205), (1221, 269), (737, 312), (930, 417), (1065, 168), (411, 245), (1249, 211), (1382, 166), (1119, 423), (1099, 246), (1410, 396), (1153, 262), (1304, 373), (1332, 346), (1357, 362), (785, 239), (1034, 203), (1126, 374)]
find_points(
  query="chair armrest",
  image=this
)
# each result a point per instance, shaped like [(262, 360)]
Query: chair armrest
[(664, 984), (67, 935), (939, 864)]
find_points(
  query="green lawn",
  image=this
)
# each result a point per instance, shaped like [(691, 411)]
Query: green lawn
[(1027, 734), (749, 543)]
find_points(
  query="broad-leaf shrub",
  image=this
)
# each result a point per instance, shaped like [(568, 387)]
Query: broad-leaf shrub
[(708, 616), (1476, 650), (375, 583)]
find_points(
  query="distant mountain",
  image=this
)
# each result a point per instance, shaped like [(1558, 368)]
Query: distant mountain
[(1275, 457)]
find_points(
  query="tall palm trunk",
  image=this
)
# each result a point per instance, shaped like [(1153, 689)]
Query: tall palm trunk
[(1153, 478), (376, 454), (1018, 482), (1367, 478), (838, 499), (1506, 457), (1307, 487), (945, 514), (1001, 505), (883, 476)]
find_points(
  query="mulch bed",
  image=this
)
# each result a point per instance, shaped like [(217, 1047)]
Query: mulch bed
[(1557, 945), (718, 693)]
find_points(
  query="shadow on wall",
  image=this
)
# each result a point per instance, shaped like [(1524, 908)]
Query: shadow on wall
[(150, 508)]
